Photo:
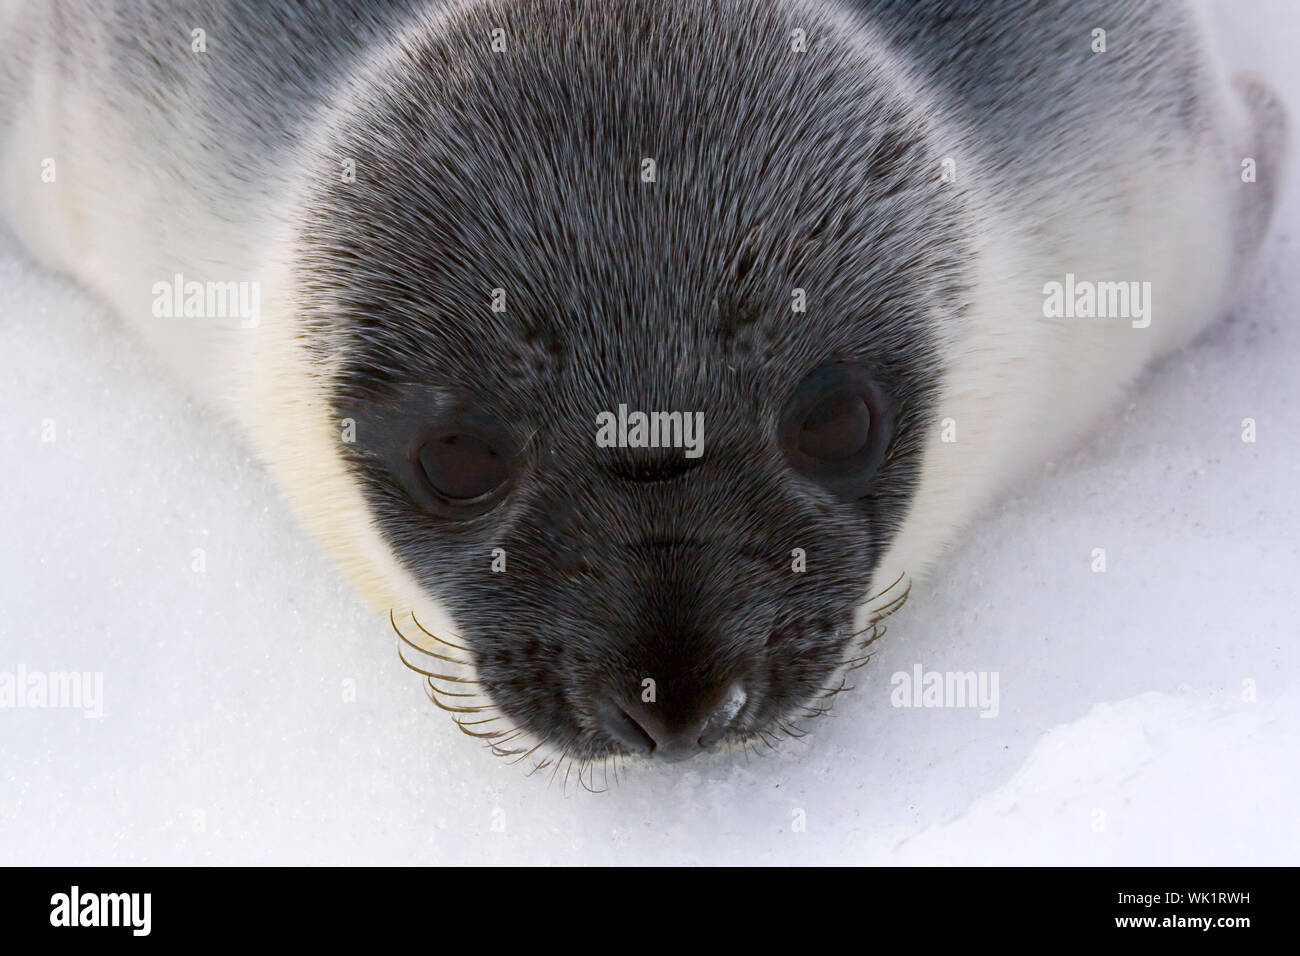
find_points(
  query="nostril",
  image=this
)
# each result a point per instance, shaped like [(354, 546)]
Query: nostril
[(624, 728), (723, 719), (668, 732)]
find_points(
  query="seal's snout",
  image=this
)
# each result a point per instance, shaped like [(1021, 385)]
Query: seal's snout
[(672, 730)]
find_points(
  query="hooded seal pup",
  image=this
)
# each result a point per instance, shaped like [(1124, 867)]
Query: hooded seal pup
[(640, 344)]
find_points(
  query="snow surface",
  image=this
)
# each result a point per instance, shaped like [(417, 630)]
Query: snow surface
[(1146, 715)]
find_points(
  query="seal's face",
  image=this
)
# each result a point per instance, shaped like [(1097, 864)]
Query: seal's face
[(507, 283)]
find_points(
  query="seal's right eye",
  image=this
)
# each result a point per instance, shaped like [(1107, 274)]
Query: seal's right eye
[(463, 467)]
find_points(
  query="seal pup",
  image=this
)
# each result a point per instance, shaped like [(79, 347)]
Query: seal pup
[(466, 272)]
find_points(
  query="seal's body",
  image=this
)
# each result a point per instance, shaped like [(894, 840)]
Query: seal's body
[(890, 253)]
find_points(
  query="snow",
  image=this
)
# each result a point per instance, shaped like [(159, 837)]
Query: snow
[(255, 712)]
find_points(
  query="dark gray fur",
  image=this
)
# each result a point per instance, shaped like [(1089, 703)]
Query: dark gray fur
[(622, 565)]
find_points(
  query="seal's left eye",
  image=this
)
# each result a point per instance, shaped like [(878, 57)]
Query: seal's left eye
[(836, 427), (463, 467)]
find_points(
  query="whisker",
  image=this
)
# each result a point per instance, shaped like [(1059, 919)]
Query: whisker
[(829, 692), (874, 630), (423, 650), (591, 770), (440, 640), (527, 753), (883, 591), (888, 609), (479, 709), (418, 670), (472, 723), (558, 762), (878, 630), (820, 710), (541, 764), (480, 734), (496, 746)]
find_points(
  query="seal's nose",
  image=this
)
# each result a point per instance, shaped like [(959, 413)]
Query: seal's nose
[(671, 733)]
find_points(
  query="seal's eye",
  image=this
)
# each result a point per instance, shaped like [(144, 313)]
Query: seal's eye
[(835, 428), (463, 467)]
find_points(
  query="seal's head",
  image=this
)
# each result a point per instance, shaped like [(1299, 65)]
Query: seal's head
[(708, 210)]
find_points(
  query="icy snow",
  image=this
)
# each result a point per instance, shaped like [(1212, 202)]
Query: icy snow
[(1147, 714)]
